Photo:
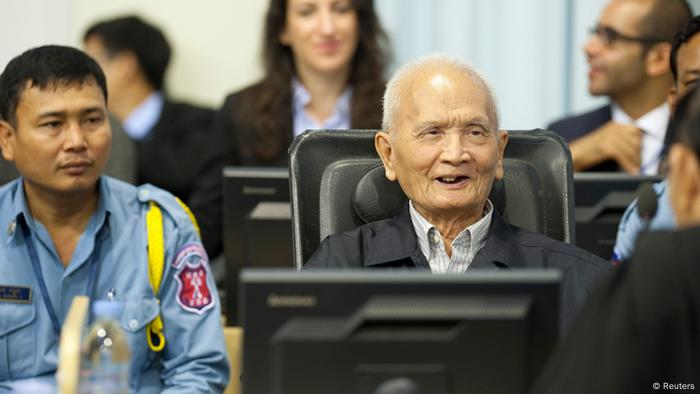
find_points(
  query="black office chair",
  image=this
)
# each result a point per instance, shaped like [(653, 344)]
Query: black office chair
[(337, 183)]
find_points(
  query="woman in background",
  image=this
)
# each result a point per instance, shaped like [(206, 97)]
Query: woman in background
[(324, 66)]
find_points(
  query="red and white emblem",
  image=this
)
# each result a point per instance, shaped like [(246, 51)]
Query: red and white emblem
[(193, 294)]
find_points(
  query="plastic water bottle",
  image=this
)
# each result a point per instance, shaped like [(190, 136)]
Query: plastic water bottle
[(106, 356)]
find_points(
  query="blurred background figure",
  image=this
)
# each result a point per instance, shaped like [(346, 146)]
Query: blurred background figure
[(640, 327), (628, 58), (324, 63), (685, 67), (171, 140)]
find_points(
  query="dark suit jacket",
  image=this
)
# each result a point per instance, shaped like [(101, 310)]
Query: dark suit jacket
[(639, 327), (575, 127), (235, 139), (393, 243), (175, 152), (231, 125), (238, 135), (178, 155)]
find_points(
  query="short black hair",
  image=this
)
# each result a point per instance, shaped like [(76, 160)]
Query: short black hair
[(145, 41), (689, 30), (43, 67)]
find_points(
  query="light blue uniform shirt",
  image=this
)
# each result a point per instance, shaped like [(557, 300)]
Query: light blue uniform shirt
[(194, 359), (632, 224)]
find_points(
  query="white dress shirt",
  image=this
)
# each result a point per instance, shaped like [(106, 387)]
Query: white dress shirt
[(653, 124), (464, 247)]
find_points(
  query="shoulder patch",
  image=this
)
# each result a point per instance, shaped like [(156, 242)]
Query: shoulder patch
[(192, 252), (193, 293)]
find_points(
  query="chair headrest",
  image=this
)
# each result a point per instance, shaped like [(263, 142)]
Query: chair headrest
[(377, 198)]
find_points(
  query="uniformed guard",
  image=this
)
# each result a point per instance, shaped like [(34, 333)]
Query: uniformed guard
[(71, 231)]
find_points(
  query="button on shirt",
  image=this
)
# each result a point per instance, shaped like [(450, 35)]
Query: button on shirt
[(194, 358), (464, 247), (339, 119), (653, 124)]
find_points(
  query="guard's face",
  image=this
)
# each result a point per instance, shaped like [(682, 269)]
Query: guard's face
[(446, 150), (62, 139)]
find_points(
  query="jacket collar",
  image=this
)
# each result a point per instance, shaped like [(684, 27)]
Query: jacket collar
[(501, 249), (395, 242)]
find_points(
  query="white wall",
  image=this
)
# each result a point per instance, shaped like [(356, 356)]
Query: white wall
[(29, 23), (530, 50), (522, 60), (216, 42)]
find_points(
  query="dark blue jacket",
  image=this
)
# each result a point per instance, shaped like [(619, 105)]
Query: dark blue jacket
[(640, 327), (575, 127), (393, 243)]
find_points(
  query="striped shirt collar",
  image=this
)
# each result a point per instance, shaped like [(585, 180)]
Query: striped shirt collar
[(464, 247)]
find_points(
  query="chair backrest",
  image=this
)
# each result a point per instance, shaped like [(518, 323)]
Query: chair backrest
[(337, 183)]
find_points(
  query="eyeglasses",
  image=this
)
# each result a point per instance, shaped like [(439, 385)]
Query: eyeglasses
[(609, 36)]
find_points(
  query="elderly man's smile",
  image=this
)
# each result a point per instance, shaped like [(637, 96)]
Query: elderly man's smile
[(453, 182)]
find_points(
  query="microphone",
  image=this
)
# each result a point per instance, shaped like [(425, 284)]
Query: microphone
[(646, 203), (646, 208)]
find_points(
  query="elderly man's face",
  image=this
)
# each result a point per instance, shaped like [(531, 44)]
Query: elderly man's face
[(446, 150)]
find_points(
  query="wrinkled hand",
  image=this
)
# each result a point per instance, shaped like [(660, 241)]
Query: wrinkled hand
[(612, 141)]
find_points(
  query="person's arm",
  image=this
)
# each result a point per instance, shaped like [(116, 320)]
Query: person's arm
[(194, 358), (611, 141), (320, 258), (342, 250)]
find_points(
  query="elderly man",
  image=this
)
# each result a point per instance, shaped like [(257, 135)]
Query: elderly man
[(71, 231), (441, 142)]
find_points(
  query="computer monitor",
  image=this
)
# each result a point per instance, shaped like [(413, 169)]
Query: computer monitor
[(355, 331), (257, 224), (601, 199)]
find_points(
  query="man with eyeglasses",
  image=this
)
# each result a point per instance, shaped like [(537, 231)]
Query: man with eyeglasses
[(685, 65), (628, 57)]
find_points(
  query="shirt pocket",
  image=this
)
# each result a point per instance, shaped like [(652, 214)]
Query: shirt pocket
[(17, 342), (137, 313)]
